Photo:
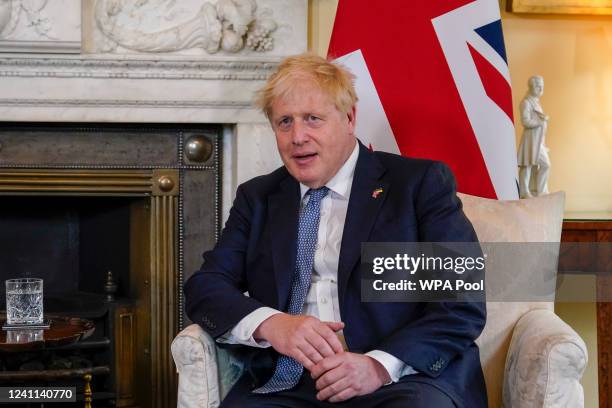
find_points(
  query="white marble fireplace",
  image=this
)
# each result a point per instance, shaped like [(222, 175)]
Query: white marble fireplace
[(181, 62), (150, 61)]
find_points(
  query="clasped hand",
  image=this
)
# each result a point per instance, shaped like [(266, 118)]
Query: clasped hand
[(339, 375)]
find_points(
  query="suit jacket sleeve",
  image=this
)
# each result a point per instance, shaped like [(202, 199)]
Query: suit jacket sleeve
[(445, 329), (215, 294)]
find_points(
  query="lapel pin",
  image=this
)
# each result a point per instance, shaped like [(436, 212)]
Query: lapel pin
[(376, 192)]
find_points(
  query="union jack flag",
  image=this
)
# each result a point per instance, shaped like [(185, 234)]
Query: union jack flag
[(433, 82)]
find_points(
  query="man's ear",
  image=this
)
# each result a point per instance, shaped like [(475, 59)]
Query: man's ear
[(352, 119)]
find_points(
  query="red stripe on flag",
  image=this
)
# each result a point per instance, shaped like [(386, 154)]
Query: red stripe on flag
[(495, 85), (414, 83)]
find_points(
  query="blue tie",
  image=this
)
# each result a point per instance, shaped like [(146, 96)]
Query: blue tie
[(288, 371)]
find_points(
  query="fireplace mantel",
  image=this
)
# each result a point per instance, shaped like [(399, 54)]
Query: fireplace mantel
[(118, 65), (129, 90), (71, 81), (132, 63)]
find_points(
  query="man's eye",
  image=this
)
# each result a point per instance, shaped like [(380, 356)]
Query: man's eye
[(313, 118), (284, 123)]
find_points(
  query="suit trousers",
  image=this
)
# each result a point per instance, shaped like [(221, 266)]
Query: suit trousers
[(404, 393)]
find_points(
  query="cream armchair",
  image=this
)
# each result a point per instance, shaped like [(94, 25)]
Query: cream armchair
[(530, 357)]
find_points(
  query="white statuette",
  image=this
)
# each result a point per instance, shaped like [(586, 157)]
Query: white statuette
[(533, 157)]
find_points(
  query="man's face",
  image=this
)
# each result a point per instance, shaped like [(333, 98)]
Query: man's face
[(314, 138)]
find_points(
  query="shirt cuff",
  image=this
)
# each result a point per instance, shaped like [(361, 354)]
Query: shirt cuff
[(394, 366), (242, 333)]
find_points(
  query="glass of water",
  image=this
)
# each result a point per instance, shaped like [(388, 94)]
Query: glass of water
[(24, 301)]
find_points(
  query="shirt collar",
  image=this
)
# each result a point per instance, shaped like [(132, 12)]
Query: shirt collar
[(342, 181)]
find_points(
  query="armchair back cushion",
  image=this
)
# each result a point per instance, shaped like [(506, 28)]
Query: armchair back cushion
[(531, 220)]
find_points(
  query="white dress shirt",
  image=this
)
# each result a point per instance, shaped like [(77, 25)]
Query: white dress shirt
[(322, 297)]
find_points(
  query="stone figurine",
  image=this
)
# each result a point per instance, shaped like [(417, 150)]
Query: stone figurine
[(533, 157)]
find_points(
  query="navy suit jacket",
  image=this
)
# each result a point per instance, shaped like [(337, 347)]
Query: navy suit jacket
[(257, 250)]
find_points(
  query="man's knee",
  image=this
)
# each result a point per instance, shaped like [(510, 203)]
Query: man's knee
[(414, 395)]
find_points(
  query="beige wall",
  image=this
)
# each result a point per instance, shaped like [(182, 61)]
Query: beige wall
[(574, 55)]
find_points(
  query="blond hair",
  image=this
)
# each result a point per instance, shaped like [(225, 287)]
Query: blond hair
[(332, 78)]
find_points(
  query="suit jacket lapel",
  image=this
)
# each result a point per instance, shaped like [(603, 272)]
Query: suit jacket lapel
[(283, 211), (364, 205)]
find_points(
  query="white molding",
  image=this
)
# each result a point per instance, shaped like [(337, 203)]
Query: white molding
[(136, 68), (125, 103), (50, 47)]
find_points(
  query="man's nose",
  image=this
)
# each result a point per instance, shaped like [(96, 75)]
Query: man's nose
[(299, 134)]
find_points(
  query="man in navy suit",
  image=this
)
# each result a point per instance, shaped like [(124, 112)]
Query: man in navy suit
[(293, 241)]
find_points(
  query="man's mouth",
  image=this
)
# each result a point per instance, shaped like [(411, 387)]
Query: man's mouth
[(304, 158)]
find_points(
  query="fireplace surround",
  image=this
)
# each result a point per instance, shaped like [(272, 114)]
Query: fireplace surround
[(143, 201)]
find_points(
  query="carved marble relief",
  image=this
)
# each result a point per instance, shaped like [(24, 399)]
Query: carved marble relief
[(40, 26), (159, 26)]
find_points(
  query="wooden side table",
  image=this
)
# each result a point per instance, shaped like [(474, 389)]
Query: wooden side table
[(62, 332), (597, 227)]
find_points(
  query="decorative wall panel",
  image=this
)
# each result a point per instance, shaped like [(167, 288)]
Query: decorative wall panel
[(40, 26)]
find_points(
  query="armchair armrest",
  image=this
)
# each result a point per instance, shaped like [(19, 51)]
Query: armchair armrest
[(545, 363), (206, 372)]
